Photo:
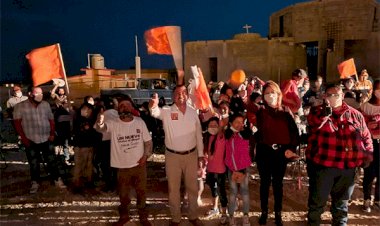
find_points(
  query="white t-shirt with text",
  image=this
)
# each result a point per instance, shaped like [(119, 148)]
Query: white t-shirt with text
[(127, 141)]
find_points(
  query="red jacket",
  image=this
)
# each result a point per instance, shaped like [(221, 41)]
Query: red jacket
[(341, 140)]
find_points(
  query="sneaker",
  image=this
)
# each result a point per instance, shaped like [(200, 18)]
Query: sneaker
[(367, 206), (212, 213), (59, 183), (246, 221), (232, 221), (34, 187), (223, 219)]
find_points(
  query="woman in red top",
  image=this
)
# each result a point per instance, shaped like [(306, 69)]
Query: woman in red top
[(277, 140)]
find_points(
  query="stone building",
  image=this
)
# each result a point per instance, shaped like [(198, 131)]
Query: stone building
[(315, 35)]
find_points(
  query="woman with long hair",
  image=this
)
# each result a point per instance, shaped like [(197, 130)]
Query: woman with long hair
[(277, 140)]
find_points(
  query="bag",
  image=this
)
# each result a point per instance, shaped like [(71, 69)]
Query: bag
[(237, 177)]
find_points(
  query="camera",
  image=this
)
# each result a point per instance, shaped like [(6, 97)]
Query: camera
[(327, 110)]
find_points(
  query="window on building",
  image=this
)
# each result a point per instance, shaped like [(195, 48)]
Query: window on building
[(281, 27), (213, 63)]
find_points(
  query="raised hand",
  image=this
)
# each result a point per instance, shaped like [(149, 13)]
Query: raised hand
[(153, 101), (100, 119)]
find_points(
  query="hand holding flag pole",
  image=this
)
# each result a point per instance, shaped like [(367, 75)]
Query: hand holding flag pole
[(347, 69), (47, 64)]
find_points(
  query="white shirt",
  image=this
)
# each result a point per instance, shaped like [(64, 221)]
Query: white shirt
[(182, 131), (15, 100), (127, 141)]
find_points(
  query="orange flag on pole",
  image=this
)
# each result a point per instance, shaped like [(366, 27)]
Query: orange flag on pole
[(201, 95), (157, 41), (46, 64), (347, 68), (165, 40)]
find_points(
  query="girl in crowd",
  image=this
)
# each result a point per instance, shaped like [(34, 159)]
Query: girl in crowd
[(371, 111), (214, 144), (238, 160), (277, 140)]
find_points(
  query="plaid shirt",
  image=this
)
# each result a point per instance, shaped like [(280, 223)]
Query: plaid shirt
[(341, 140), (34, 120)]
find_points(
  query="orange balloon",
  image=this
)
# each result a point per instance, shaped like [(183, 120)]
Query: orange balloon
[(237, 78)]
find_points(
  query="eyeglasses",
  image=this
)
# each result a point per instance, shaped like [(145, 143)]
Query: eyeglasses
[(332, 94)]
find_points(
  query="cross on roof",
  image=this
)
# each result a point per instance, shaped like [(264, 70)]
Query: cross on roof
[(247, 27)]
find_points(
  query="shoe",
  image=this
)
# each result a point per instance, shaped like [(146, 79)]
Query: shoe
[(367, 206), (223, 219), (196, 222), (278, 219), (59, 183), (34, 187), (246, 221), (212, 213), (263, 218)]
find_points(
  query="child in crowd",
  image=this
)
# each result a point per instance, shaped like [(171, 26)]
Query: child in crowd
[(238, 161), (84, 140), (214, 144)]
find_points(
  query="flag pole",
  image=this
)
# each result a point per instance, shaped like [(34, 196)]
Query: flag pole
[(63, 68)]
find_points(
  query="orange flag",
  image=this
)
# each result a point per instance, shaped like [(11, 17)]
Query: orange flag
[(167, 41), (347, 68), (157, 41), (202, 98), (46, 64)]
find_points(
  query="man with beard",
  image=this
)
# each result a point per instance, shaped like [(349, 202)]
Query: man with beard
[(34, 122), (131, 145), (58, 94), (184, 151)]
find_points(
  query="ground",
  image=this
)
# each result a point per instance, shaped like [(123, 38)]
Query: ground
[(53, 206)]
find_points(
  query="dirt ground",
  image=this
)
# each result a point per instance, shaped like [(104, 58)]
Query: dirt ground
[(52, 206)]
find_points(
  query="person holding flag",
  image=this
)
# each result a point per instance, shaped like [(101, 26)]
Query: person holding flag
[(184, 151)]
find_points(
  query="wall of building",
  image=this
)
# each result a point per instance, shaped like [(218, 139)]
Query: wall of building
[(342, 28), (268, 59)]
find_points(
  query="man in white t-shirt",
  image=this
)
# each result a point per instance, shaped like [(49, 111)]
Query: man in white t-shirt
[(131, 145)]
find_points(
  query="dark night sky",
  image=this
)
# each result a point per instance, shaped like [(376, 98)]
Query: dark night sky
[(109, 27)]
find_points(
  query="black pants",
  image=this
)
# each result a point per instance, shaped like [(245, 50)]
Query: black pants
[(217, 184), (272, 166), (372, 172)]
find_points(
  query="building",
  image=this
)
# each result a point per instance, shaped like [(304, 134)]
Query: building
[(315, 35)]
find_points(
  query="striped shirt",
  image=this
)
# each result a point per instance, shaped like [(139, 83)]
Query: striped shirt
[(34, 120), (341, 140)]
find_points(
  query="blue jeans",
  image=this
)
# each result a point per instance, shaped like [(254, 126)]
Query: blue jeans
[(324, 181), (33, 154), (244, 192)]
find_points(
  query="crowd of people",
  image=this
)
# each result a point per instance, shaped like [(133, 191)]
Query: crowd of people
[(256, 121)]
